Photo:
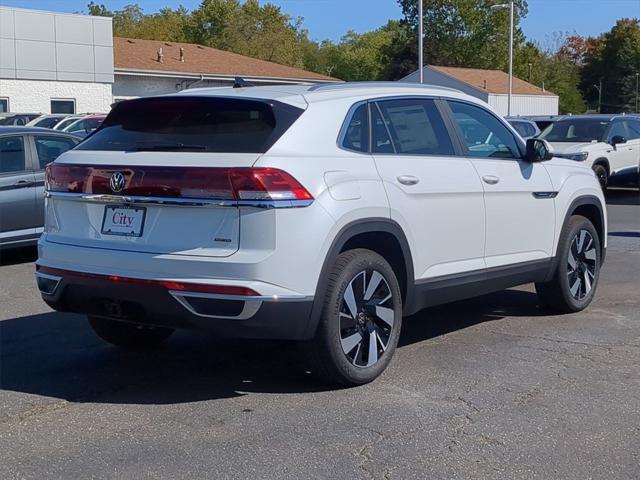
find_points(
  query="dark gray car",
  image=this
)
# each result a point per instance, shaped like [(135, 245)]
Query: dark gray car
[(24, 153)]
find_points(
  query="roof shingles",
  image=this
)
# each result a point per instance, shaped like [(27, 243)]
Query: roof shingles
[(136, 54), (497, 81)]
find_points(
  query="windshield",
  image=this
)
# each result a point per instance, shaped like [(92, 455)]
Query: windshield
[(578, 130), (210, 124)]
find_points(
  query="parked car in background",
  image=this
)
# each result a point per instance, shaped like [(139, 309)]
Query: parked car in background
[(8, 118), (24, 153), (526, 128), (65, 122), (322, 214), (85, 125), (47, 121), (543, 121), (610, 144)]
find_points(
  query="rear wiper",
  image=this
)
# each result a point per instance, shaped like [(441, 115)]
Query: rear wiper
[(166, 147)]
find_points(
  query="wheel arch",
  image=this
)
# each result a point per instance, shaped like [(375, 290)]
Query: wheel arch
[(591, 207), (381, 235), (604, 162)]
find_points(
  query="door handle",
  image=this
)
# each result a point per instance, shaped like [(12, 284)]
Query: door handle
[(22, 184), (490, 179), (408, 179)]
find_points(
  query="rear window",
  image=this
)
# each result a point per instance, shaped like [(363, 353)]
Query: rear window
[(209, 124)]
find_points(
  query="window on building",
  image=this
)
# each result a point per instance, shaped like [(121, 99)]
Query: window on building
[(63, 105), (4, 104)]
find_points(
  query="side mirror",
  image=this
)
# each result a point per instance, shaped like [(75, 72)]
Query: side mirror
[(617, 140), (538, 150)]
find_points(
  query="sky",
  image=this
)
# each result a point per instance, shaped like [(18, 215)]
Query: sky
[(332, 18)]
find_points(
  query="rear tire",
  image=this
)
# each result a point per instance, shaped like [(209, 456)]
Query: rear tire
[(578, 268), (128, 335), (603, 176), (360, 321)]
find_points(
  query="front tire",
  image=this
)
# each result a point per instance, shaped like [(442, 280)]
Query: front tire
[(128, 335), (360, 321), (603, 176), (578, 268)]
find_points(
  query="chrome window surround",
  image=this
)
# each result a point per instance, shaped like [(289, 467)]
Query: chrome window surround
[(183, 202)]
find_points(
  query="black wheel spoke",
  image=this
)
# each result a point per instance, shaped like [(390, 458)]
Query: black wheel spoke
[(581, 264), (367, 318)]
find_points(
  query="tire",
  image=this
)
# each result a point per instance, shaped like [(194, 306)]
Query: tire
[(360, 322), (602, 174), (577, 272), (128, 335)]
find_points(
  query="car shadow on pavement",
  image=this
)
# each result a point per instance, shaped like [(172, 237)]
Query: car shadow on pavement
[(57, 355), (623, 196), (18, 255)]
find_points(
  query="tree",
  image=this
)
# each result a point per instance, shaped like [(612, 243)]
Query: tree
[(614, 59), (464, 32)]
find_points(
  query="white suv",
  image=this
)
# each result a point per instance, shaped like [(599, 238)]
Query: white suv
[(322, 214), (610, 144)]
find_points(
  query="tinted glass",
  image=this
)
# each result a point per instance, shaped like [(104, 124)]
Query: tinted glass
[(579, 130), (483, 134), (63, 106), (49, 148), (193, 124), (380, 139), (47, 122), (356, 135), (416, 127), (618, 129), (521, 127), (12, 154), (65, 123), (634, 129), (4, 105)]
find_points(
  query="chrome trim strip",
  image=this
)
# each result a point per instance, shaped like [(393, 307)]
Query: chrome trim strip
[(252, 303), (53, 278), (190, 202), (542, 195)]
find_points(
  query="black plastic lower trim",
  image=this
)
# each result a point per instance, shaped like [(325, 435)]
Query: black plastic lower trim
[(154, 305), (451, 288)]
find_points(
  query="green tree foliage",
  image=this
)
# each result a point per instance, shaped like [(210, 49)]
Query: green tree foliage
[(614, 59)]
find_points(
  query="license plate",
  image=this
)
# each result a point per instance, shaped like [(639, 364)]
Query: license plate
[(123, 220)]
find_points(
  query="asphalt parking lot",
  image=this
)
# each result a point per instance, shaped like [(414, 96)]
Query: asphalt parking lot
[(487, 388)]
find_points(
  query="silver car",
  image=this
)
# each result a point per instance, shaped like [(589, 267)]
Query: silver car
[(24, 152)]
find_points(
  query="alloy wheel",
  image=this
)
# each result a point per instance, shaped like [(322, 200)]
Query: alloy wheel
[(581, 264), (367, 318)]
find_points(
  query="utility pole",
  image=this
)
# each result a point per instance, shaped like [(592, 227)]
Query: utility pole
[(599, 88), (637, 77), (421, 39), (530, 67), (511, 6)]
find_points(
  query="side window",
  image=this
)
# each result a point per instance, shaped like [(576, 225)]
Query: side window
[(521, 128), (618, 129), (356, 135), (50, 148), (12, 157), (380, 139), (484, 134), (416, 127), (634, 129)]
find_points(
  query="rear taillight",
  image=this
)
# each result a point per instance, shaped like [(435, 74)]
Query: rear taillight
[(235, 184)]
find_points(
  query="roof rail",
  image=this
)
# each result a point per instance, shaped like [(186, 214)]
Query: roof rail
[(348, 85)]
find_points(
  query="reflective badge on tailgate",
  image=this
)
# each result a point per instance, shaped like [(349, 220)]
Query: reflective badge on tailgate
[(123, 220)]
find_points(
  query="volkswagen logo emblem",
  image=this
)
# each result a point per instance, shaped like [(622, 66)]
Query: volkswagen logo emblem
[(117, 182)]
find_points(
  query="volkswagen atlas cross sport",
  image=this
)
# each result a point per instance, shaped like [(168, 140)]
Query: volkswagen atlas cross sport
[(322, 214)]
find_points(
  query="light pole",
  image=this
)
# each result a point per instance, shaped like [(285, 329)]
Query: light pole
[(599, 88), (637, 77), (421, 39), (511, 8)]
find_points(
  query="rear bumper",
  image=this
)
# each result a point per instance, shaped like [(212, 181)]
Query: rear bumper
[(146, 302)]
